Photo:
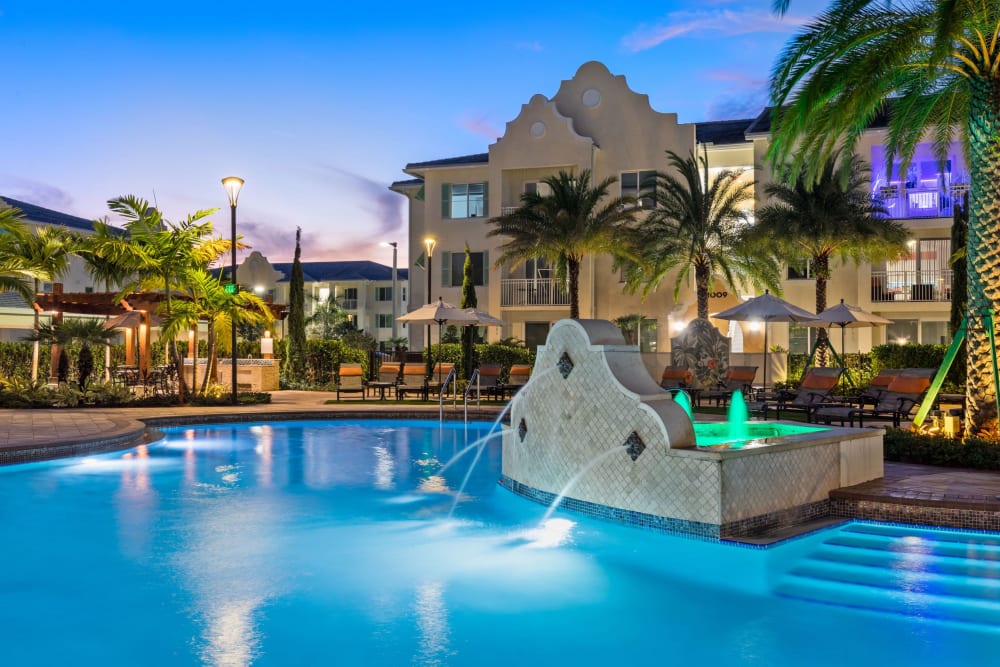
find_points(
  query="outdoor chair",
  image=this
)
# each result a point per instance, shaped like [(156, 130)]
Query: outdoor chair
[(350, 380), (877, 386), (815, 389), (438, 376), (675, 377), (388, 378), (517, 377), (413, 380), (903, 394), (737, 378)]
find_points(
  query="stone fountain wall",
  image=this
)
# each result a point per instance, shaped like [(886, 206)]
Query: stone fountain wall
[(592, 423)]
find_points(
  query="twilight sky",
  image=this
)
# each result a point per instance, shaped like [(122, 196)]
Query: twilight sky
[(318, 105)]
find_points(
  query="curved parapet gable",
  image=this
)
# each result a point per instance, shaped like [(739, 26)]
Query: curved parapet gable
[(539, 132)]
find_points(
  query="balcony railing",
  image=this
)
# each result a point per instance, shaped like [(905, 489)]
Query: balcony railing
[(348, 304), (532, 292), (918, 202), (911, 285), (507, 210)]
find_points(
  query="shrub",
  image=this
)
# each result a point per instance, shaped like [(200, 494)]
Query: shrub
[(912, 355), (937, 450)]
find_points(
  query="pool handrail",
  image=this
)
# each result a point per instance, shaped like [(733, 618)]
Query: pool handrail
[(472, 380), (452, 377)]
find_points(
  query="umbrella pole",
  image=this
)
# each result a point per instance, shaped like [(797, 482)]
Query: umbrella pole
[(764, 380)]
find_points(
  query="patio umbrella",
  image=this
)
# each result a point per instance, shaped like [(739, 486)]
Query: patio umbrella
[(766, 308), (442, 313), (844, 316)]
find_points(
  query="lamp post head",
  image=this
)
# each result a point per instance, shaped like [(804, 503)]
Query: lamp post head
[(232, 184), (389, 244), (430, 244)]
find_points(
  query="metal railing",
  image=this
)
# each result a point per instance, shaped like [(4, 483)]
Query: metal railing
[(918, 202), (507, 210), (473, 381), (452, 378), (349, 304), (933, 285), (532, 292)]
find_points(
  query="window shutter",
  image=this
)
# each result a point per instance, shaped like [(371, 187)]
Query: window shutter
[(446, 269), (486, 268), (445, 201), (486, 199)]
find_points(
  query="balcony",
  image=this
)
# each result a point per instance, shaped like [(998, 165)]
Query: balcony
[(517, 292), (911, 286), (919, 202), (507, 210), (348, 304)]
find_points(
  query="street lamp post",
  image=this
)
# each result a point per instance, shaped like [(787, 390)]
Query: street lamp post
[(395, 296), (429, 244), (232, 184)]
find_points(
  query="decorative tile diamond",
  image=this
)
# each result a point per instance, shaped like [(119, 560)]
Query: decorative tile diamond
[(565, 365), (634, 445), (522, 429)]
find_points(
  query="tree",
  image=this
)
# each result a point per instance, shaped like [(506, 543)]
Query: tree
[(296, 368), (934, 66), (469, 300), (699, 224), (570, 222), (832, 218), (86, 332), (329, 320)]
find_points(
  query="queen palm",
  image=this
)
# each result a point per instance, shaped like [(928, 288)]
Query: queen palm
[(831, 218), (564, 226), (938, 61), (699, 225)]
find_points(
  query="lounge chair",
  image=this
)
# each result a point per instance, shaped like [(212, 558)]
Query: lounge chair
[(737, 378), (413, 381), (903, 394), (489, 380), (350, 380), (675, 377), (815, 389), (438, 376), (388, 378), (517, 377)]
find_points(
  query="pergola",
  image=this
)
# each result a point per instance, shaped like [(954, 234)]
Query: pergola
[(138, 306)]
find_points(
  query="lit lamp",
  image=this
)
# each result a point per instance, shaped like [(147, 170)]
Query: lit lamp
[(429, 244), (232, 184)]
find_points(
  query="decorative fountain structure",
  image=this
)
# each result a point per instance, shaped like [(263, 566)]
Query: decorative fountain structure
[(593, 429)]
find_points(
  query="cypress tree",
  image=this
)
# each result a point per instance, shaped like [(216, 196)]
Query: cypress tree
[(469, 300), (296, 361)]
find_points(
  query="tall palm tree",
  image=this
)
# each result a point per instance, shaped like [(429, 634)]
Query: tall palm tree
[(103, 269), (15, 271), (832, 218), (699, 225), (938, 61), (570, 222)]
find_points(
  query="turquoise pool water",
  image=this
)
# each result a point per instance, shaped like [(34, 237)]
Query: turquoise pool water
[(737, 436), (330, 543)]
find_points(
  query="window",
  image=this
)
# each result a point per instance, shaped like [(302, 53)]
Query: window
[(383, 293), (464, 200), (453, 265), (902, 332), (801, 339), (535, 334), (349, 298), (801, 272), (927, 188), (537, 187), (384, 320), (636, 182)]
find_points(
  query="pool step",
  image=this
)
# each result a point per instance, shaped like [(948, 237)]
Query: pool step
[(951, 575)]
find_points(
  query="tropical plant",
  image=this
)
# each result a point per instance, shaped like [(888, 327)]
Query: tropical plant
[(562, 227), (813, 222), (328, 320), (699, 225), (15, 272), (86, 332), (295, 363), (934, 66)]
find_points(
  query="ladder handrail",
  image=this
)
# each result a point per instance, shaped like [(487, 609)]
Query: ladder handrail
[(465, 400), (452, 375)]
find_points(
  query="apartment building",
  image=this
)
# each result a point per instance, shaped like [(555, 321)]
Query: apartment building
[(595, 121), (363, 289)]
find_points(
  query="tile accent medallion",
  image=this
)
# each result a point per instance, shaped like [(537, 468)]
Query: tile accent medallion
[(634, 445), (522, 429), (565, 365)]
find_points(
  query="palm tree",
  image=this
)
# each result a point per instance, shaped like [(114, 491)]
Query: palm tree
[(699, 224), (15, 271), (328, 320), (938, 63), (832, 218), (85, 331), (573, 220)]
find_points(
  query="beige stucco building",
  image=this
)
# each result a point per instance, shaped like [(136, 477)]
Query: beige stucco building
[(595, 121)]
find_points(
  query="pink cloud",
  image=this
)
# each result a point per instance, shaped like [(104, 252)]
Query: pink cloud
[(724, 22), (481, 126)]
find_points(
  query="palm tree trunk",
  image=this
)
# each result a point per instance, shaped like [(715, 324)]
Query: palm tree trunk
[(175, 355), (210, 370), (573, 268), (35, 348), (983, 253), (701, 278), (821, 267)]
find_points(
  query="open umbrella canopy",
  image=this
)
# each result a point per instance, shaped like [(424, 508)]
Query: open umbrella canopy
[(484, 319), (846, 315), (439, 313), (766, 308)]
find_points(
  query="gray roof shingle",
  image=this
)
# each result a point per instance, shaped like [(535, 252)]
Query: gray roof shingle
[(34, 213), (340, 271)]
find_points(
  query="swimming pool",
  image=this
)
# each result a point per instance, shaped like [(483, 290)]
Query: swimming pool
[(330, 543)]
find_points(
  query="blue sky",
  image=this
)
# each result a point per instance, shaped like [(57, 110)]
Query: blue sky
[(319, 106)]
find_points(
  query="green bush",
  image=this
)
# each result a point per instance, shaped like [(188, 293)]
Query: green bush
[(936, 450), (323, 357), (912, 355)]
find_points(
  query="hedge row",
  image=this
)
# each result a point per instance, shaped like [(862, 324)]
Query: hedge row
[(936, 450), (860, 367)]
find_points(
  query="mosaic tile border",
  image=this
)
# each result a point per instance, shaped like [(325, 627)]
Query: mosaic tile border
[(921, 515), (11, 456), (787, 518)]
